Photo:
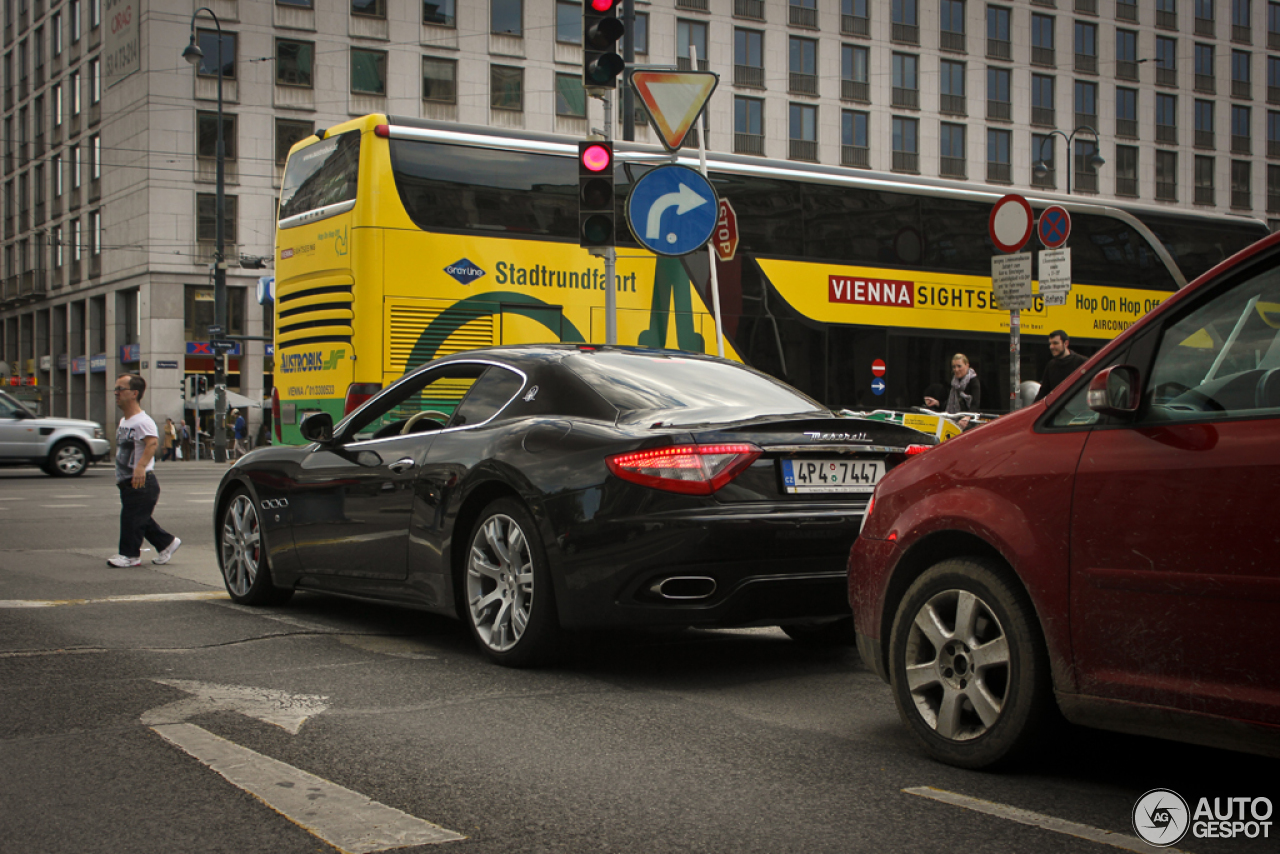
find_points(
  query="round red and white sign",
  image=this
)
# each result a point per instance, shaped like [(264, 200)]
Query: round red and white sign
[(1011, 223), (877, 367)]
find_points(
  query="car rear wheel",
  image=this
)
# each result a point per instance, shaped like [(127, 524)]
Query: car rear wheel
[(242, 556), (969, 672), (510, 607), (68, 458)]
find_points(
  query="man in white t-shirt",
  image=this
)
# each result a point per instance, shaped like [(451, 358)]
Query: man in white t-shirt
[(136, 441)]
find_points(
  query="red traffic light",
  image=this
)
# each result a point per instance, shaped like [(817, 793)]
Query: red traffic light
[(602, 5), (596, 158)]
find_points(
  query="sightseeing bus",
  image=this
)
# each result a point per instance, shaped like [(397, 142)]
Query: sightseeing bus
[(400, 240)]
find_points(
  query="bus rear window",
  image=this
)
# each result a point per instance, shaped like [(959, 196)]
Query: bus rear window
[(320, 175)]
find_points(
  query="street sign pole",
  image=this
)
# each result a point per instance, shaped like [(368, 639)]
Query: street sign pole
[(711, 249), (1010, 226), (610, 253)]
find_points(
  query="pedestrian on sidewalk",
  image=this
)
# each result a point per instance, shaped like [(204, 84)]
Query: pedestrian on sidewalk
[(241, 433), (184, 439), (170, 441), (136, 442)]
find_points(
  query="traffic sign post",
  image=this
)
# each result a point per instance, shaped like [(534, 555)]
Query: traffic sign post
[(672, 210), (1054, 226), (1010, 225), (726, 242)]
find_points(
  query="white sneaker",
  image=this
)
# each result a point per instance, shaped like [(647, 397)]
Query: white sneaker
[(165, 554), (122, 561)]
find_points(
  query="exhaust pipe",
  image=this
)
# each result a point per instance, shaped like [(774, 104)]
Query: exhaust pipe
[(684, 587)]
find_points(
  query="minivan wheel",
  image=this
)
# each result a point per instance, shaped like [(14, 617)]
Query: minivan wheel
[(68, 458), (968, 666), (509, 604)]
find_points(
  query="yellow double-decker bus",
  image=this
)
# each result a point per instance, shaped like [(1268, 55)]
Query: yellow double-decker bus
[(400, 240)]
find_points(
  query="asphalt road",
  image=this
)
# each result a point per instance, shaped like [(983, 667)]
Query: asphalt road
[(141, 711)]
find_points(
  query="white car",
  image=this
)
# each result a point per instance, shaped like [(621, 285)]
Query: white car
[(63, 447)]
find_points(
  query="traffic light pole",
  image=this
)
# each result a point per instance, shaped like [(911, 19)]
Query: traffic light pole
[(610, 253)]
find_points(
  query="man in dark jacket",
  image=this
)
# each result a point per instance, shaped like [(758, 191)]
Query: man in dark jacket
[(1061, 365)]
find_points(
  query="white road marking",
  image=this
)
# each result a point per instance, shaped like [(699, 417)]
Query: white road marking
[(347, 820), (142, 597), (13, 499), (200, 500), (61, 506), (1040, 820)]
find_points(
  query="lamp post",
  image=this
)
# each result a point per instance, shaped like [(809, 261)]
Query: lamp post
[(194, 54), (1095, 161)]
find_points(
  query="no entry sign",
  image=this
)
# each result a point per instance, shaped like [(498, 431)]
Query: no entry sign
[(877, 367)]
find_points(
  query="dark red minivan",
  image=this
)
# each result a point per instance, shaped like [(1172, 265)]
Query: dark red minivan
[(1114, 548)]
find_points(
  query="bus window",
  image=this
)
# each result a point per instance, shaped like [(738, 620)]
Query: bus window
[(320, 175), (1198, 244), (1106, 251)]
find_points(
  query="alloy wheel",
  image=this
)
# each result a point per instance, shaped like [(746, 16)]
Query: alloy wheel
[(70, 460), (241, 545), (500, 582)]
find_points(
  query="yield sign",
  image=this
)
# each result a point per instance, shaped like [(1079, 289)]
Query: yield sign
[(674, 100)]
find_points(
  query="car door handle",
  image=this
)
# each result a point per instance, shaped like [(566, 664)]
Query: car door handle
[(402, 465)]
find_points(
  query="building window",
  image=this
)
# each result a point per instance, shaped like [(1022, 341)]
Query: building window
[(904, 22), (95, 157), (439, 80), (73, 160), (57, 176), (77, 245), (691, 34), (855, 17), (1166, 118), (1204, 180), (906, 80), (57, 246), (74, 11), (803, 132), (999, 166), (1273, 133), (506, 88), (95, 80), (369, 8), (999, 106), (207, 135), (748, 58), (803, 64), (1042, 111), (1166, 61), (803, 13), (209, 46), (951, 25), (207, 218), (74, 83), (294, 62), (56, 98), (95, 232), (368, 72), (1240, 76), (855, 73), (1044, 154), (1167, 176), (1204, 68), (951, 150), (642, 33), (1086, 103), (1086, 35), (999, 45), (855, 142), (288, 132), (302, 4), (55, 27), (952, 93), (506, 17), (569, 23), (1241, 119), (1126, 113), (1042, 48), (571, 98), (1204, 124), (441, 13), (906, 144), (748, 125), (1241, 191), (1126, 55), (95, 14)]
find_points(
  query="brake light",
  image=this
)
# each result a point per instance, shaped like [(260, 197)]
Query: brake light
[(912, 450), (275, 413), (357, 394), (687, 469)]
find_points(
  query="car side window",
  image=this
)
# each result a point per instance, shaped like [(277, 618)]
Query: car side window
[(1221, 358), (488, 395), (8, 409), (423, 402)]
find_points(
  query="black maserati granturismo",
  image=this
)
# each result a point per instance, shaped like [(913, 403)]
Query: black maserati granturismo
[(535, 489)]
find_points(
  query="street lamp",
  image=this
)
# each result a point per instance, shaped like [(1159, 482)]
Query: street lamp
[(194, 54), (1095, 160)]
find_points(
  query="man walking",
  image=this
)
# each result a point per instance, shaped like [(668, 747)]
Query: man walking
[(1061, 365), (136, 441)]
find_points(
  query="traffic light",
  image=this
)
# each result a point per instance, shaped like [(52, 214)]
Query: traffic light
[(595, 194), (601, 29)]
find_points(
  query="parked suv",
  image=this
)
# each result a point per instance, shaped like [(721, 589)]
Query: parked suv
[(1113, 549), (61, 446)]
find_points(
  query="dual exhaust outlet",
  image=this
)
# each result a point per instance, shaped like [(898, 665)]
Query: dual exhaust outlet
[(684, 588)]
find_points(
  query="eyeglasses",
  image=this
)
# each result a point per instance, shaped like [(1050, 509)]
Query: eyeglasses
[(118, 390)]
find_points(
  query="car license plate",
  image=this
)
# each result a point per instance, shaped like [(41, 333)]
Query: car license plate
[(831, 475)]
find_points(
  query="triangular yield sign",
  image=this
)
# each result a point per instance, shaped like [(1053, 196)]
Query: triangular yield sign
[(674, 100)]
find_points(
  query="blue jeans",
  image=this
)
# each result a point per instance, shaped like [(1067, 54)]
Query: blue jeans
[(136, 524)]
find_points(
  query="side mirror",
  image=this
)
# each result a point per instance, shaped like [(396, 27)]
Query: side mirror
[(1115, 390), (317, 427)]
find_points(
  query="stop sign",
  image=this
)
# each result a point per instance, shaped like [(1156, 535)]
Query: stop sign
[(725, 237)]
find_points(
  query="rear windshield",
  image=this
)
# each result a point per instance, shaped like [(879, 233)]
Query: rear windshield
[(684, 390), (321, 174)]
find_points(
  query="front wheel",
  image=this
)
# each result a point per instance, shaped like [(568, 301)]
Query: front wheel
[(968, 666), (510, 607), (68, 458), (242, 555)]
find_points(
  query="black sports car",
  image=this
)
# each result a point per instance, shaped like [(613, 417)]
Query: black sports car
[(532, 489)]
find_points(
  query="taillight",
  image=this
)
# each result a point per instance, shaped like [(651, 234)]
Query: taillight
[(912, 450), (357, 394), (275, 412), (688, 469)]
